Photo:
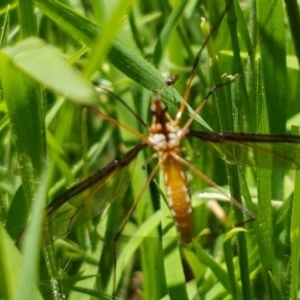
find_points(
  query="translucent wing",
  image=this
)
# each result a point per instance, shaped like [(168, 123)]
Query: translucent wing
[(68, 211), (65, 213), (255, 149)]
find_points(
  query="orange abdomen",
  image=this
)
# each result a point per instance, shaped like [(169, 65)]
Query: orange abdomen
[(178, 197)]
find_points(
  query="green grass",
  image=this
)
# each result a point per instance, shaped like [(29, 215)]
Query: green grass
[(49, 140)]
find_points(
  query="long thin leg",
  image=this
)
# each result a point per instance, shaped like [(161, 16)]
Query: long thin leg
[(213, 184), (126, 219)]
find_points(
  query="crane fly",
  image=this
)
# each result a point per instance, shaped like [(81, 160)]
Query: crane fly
[(165, 135)]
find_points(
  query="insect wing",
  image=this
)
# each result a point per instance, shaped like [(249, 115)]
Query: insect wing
[(75, 207), (255, 149)]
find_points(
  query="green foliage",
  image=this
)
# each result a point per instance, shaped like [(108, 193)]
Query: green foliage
[(50, 138)]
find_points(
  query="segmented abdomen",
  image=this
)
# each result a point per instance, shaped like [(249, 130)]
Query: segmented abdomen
[(178, 197)]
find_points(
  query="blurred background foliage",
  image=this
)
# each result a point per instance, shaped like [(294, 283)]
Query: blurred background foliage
[(53, 54)]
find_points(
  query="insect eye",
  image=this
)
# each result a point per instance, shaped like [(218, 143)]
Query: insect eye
[(155, 107)]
